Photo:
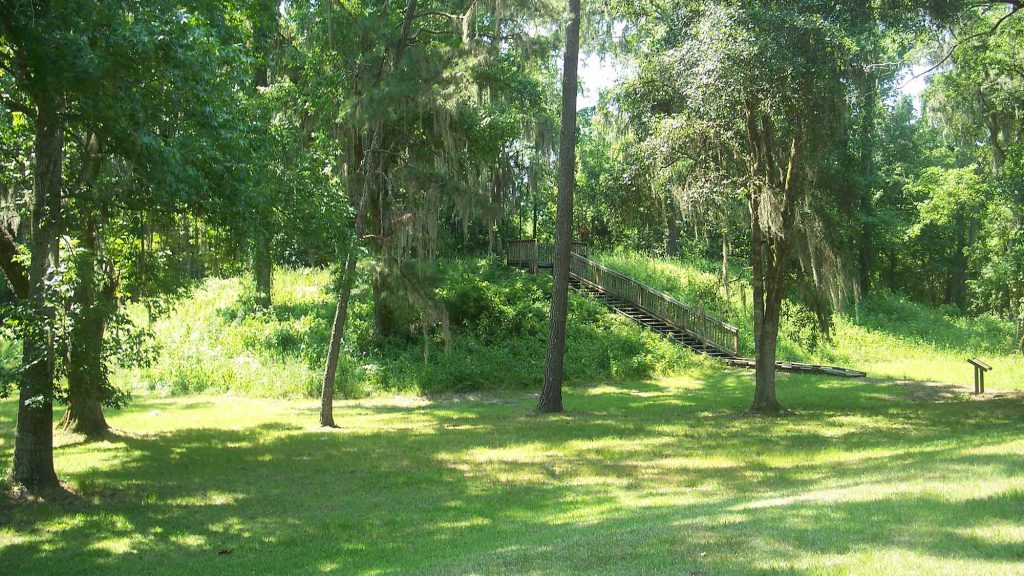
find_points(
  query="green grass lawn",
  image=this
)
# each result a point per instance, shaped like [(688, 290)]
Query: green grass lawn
[(660, 476)]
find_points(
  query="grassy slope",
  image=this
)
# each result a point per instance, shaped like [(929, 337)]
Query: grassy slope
[(885, 336), (652, 477), (212, 342)]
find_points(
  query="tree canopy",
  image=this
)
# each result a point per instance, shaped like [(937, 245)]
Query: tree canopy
[(148, 145)]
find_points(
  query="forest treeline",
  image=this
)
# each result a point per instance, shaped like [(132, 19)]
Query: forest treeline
[(148, 144)]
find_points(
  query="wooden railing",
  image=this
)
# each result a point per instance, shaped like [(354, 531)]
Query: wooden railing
[(533, 254), (703, 325)]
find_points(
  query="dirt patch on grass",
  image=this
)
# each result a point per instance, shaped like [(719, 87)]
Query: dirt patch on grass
[(933, 391), (941, 391), (15, 495), (489, 397), (413, 402)]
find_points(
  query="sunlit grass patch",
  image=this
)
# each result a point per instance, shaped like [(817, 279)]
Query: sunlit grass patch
[(658, 476)]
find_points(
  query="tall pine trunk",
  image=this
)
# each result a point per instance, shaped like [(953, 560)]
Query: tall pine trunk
[(866, 243), (348, 279), (725, 263), (337, 336), (551, 393), (33, 443)]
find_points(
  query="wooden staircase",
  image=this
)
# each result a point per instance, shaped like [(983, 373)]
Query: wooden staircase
[(645, 319), (692, 327)]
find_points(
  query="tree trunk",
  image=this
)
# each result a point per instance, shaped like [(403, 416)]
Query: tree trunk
[(381, 326), (551, 393), (185, 244), (672, 226), (341, 311), (867, 245), (892, 271), (536, 213), (1020, 335), (766, 326), (33, 444), (140, 258), (998, 153), (263, 268), (198, 270), (494, 220), (1015, 308), (725, 263), (337, 336), (1020, 332), (768, 251), (765, 345), (866, 248), (84, 414), (86, 377), (266, 26), (956, 289)]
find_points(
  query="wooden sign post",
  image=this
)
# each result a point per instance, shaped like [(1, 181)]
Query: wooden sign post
[(979, 374)]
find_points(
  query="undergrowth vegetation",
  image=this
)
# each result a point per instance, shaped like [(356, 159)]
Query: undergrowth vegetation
[(218, 341), (9, 356)]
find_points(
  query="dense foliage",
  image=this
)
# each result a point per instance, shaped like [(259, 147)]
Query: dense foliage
[(388, 151)]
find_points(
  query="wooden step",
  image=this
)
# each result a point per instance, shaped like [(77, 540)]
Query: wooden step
[(691, 341), (647, 320)]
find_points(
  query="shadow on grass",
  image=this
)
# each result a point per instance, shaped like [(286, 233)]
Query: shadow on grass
[(643, 478)]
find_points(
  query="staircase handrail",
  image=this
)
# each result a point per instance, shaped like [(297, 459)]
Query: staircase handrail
[(707, 326), (534, 254)]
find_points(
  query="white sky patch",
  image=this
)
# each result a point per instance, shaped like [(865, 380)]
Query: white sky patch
[(912, 82), (596, 75)]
